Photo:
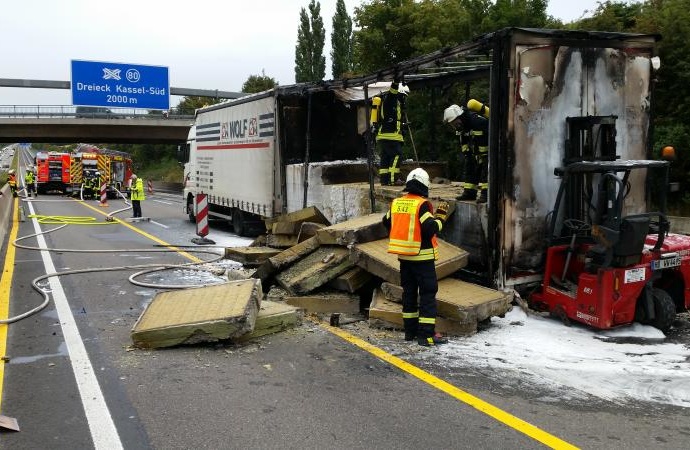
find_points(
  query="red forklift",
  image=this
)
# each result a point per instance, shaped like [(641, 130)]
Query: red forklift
[(606, 268)]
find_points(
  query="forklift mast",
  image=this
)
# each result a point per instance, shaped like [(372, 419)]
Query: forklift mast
[(589, 138)]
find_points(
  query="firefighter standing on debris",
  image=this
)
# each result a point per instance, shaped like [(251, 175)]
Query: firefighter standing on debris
[(12, 181), (387, 114), (29, 181), (136, 194), (473, 130), (412, 227)]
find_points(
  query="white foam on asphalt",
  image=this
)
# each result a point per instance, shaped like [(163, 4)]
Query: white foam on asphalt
[(576, 361)]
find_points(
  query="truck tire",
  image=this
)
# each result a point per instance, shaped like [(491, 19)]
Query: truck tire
[(238, 224), (664, 310)]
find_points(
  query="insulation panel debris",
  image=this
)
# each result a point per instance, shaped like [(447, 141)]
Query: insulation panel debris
[(207, 314)]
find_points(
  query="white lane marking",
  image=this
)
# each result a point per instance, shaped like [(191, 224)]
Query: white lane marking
[(161, 201), (159, 224), (103, 430)]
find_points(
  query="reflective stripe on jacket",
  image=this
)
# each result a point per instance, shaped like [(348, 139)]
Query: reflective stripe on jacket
[(405, 237)]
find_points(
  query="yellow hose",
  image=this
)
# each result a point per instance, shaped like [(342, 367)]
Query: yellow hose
[(72, 220)]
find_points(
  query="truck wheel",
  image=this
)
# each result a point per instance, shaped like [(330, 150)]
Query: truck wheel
[(664, 310), (238, 225), (190, 212)]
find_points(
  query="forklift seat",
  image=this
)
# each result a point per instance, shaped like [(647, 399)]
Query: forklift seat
[(633, 233), (625, 248)]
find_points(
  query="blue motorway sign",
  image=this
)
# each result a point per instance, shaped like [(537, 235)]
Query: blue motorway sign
[(106, 84)]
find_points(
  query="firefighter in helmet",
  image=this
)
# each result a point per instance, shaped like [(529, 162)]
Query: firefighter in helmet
[(88, 184), (96, 184), (412, 227), (387, 114), (473, 130), (12, 181)]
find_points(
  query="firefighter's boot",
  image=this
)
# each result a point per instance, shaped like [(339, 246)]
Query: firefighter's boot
[(468, 194), (427, 337), (482, 197), (435, 339), (410, 328)]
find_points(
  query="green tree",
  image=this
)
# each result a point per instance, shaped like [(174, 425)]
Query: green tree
[(517, 13), (391, 31), (189, 104), (341, 42), (385, 34), (310, 63), (672, 95), (259, 83), (613, 16)]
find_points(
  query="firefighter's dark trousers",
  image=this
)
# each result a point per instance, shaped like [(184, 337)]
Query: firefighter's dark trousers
[(391, 157), (470, 170), (136, 208), (418, 279)]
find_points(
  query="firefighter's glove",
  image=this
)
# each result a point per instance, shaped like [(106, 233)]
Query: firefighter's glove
[(373, 130), (442, 211)]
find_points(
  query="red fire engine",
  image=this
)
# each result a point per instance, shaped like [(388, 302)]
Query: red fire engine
[(52, 171)]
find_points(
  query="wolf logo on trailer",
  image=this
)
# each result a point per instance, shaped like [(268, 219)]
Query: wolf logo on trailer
[(237, 129)]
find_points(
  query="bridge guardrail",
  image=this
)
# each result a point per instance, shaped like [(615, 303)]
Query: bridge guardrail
[(76, 112)]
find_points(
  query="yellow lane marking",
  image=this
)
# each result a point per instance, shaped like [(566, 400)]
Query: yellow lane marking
[(5, 289), (469, 399), (144, 233)]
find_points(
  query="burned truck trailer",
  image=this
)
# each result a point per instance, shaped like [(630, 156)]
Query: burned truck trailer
[(556, 97)]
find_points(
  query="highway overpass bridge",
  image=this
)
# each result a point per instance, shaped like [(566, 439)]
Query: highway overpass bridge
[(66, 124), (124, 130)]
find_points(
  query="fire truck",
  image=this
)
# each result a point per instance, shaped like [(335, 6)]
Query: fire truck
[(52, 171), (114, 167)]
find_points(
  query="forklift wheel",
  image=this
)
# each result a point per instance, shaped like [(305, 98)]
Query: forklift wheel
[(560, 313), (664, 310)]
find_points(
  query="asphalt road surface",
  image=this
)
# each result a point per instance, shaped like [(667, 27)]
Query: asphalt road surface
[(73, 381)]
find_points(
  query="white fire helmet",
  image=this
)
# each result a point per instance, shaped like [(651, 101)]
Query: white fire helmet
[(404, 89), (451, 113), (420, 175)]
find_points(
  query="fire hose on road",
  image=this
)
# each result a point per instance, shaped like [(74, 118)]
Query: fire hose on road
[(148, 268)]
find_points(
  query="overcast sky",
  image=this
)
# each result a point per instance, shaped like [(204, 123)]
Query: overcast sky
[(207, 44)]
